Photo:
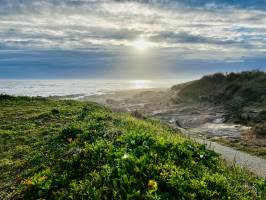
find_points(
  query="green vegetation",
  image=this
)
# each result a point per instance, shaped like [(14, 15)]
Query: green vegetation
[(243, 94), (247, 87), (77, 150)]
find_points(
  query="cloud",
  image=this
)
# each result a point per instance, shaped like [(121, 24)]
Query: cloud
[(216, 30)]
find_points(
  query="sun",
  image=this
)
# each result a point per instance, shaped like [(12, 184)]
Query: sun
[(141, 44)]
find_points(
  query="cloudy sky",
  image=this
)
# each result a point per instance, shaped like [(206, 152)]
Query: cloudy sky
[(130, 39)]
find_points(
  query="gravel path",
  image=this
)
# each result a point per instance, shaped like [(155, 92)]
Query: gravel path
[(252, 163)]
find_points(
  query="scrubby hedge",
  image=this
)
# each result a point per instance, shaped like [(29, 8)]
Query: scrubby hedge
[(249, 86), (235, 91)]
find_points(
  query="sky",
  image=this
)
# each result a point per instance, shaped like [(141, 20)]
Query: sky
[(144, 39)]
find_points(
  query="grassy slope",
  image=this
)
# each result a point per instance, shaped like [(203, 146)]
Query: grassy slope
[(76, 150)]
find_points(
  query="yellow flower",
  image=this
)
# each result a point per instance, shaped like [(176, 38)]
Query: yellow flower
[(41, 178), (28, 182), (152, 185)]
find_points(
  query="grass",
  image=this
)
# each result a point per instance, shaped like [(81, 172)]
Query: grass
[(78, 150)]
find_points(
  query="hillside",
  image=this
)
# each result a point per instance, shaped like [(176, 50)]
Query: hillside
[(242, 94), (74, 150)]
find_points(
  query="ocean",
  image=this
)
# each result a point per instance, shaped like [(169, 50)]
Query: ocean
[(78, 88)]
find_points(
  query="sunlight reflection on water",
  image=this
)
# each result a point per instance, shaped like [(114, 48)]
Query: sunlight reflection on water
[(141, 84), (78, 88)]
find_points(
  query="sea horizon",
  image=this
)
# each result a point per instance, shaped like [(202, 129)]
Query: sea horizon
[(78, 88)]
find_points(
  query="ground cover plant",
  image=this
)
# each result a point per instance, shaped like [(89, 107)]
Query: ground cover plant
[(79, 150)]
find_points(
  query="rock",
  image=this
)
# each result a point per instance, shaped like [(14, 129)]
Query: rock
[(171, 121), (73, 151), (137, 114), (244, 116), (219, 120), (177, 123), (111, 101)]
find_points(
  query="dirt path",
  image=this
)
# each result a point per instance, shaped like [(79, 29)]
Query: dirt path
[(252, 163)]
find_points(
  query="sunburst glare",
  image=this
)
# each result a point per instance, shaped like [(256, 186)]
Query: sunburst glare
[(142, 44)]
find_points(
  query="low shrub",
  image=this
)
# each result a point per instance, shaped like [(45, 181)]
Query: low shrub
[(55, 111)]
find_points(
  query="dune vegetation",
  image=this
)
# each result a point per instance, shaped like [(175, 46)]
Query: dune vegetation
[(243, 94), (53, 149)]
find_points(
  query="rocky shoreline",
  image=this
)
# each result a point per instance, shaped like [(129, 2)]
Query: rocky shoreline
[(204, 120)]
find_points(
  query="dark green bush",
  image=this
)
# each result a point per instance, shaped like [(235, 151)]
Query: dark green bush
[(70, 133), (250, 86), (55, 111)]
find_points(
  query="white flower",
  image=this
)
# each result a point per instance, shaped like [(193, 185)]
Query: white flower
[(125, 156)]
